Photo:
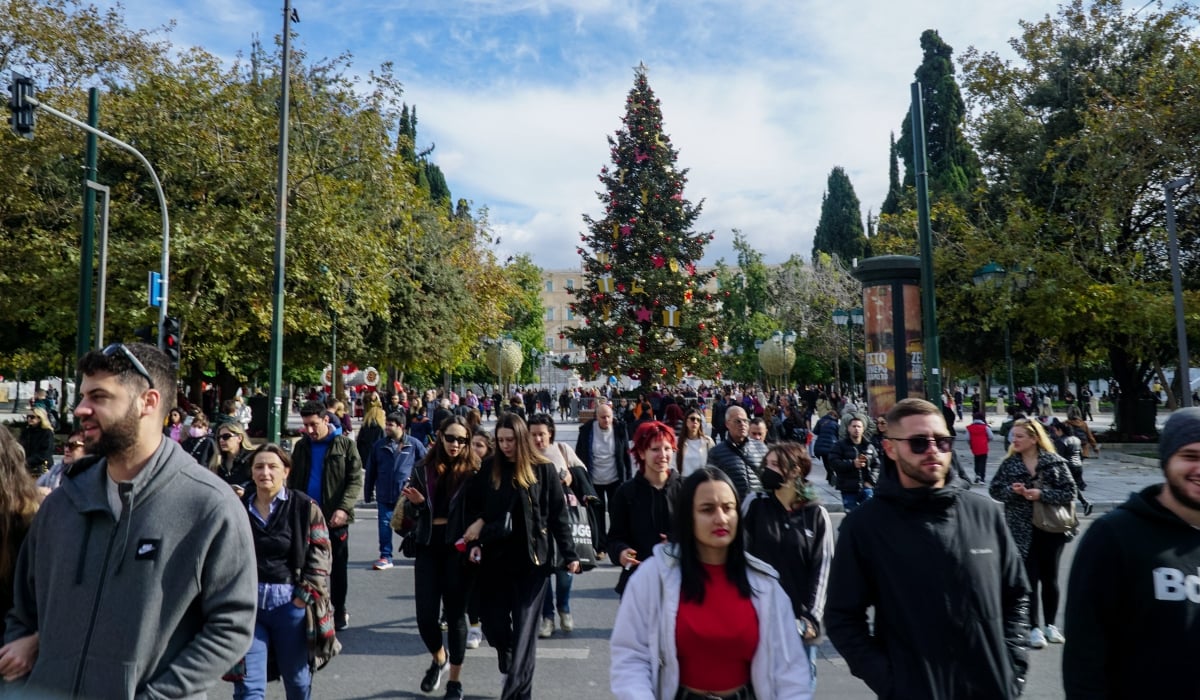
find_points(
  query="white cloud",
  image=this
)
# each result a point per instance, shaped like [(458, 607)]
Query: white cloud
[(762, 98)]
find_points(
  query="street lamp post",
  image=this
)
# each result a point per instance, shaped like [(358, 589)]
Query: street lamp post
[(777, 356), (849, 319), (1184, 373), (758, 346), (991, 275)]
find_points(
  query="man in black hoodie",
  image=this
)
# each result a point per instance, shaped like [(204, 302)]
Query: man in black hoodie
[(1133, 601), (940, 568)]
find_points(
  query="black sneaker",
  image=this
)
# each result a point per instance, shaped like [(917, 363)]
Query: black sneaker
[(434, 676), (454, 690)]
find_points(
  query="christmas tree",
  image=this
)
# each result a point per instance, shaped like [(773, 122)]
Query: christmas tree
[(645, 310)]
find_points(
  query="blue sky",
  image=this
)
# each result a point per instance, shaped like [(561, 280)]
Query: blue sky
[(762, 98)]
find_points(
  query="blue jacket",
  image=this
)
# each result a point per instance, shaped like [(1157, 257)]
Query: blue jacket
[(388, 469)]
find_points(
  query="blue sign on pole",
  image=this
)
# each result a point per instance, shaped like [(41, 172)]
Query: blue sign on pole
[(155, 290)]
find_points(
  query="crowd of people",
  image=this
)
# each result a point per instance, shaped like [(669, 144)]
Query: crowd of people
[(730, 576)]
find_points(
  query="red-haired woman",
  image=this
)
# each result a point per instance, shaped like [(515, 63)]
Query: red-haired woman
[(641, 511)]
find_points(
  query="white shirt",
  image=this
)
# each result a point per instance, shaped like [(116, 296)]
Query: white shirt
[(695, 455)]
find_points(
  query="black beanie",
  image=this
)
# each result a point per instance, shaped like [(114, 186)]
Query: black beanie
[(1182, 428)]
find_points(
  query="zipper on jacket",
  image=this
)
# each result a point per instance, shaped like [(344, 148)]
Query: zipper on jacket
[(91, 629)]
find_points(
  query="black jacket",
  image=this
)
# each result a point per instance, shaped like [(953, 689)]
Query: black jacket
[(851, 479), (424, 478), (799, 544), (948, 588), (39, 449), (341, 478), (1131, 610), (583, 448), (536, 514), (741, 463), (639, 516)]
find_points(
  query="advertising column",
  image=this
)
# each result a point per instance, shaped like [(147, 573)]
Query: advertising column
[(894, 348)]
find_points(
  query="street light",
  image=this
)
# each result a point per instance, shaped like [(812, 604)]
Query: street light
[(503, 355), (849, 319), (777, 355), (1185, 373), (992, 275)]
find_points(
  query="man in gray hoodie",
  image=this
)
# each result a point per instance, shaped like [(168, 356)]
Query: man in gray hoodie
[(138, 577)]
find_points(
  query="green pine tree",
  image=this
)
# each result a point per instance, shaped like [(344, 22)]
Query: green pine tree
[(840, 230), (954, 167), (644, 308)]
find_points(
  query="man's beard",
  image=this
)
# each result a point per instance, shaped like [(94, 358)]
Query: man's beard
[(1180, 495), (119, 437)]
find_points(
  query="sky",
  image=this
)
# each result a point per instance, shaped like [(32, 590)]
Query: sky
[(761, 98)]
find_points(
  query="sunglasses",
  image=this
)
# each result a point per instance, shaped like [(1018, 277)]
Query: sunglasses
[(920, 443), (30, 417), (452, 439), (138, 367), (225, 436), (74, 445)]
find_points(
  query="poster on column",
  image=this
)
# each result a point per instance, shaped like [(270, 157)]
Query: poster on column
[(914, 346), (880, 356)]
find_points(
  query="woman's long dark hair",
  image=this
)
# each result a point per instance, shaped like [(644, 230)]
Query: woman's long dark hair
[(19, 498), (460, 467), (695, 578)]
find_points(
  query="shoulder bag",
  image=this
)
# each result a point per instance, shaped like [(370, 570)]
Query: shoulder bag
[(1053, 518)]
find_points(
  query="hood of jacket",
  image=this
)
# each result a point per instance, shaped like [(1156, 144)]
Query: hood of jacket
[(923, 498)]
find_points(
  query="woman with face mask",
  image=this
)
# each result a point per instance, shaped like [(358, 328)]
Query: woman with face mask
[(789, 529), (200, 444)]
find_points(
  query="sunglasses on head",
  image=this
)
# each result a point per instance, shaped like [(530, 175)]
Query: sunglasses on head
[(452, 439), (119, 348), (920, 443), (74, 445)]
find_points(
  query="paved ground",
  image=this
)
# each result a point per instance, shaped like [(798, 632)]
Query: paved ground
[(384, 657)]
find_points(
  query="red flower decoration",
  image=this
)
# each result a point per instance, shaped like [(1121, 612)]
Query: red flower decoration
[(658, 260)]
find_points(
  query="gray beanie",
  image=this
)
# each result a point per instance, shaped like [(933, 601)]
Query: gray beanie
[(1182, 428)]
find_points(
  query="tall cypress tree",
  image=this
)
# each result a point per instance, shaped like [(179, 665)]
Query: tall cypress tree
[(891, 203), (954, 167), (840, 230), (644, 308)]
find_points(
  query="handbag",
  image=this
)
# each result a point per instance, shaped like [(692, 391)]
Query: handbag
[(1053, 518), (579, 518)]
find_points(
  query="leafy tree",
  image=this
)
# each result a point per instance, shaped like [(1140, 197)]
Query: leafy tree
[(644, 308), (840, 229), (745, 303), (954, 168), (1078, 134)]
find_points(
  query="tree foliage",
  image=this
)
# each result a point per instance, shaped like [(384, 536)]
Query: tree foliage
[(410, 282), (840, 229)]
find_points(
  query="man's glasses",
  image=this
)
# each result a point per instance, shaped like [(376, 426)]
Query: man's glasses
[(138, 367), (225, 436), (920, 443), (452, 439), (74, 445)]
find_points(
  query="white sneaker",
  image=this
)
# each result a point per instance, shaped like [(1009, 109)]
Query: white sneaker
[(547, 628), (565, 623), (474, 636), (1054, 636), (1037, 640)]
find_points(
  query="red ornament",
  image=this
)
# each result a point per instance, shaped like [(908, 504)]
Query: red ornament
[(701, 326), (663, 371), (621, 287), (658, 260), (620, 331)]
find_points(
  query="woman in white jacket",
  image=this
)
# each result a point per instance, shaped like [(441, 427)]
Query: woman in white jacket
[(701, 618)]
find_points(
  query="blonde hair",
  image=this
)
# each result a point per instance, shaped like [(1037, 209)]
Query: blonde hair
[(373, 413), (43, 419), (1039, 435)]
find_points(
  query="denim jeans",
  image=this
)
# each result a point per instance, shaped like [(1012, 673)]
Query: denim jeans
[(811, 651), (283, 629), (850, 501), (385, 513), (562, 594)]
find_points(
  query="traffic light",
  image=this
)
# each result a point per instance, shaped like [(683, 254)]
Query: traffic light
[(22, 111), (170, 340)]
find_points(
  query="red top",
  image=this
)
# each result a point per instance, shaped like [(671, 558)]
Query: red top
[(715, 640), (978, 433)]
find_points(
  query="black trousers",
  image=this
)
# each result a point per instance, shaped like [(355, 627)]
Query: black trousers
[(981, 466), (339, 541), (1041, 566), (604, 492), (441, 578), (512, 610)]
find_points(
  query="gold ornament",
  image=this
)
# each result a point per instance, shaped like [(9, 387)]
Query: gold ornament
[(602, 257), (636, 287), (645, 195), (670, 316), (674, 265), (605, 310), (616, 231)]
